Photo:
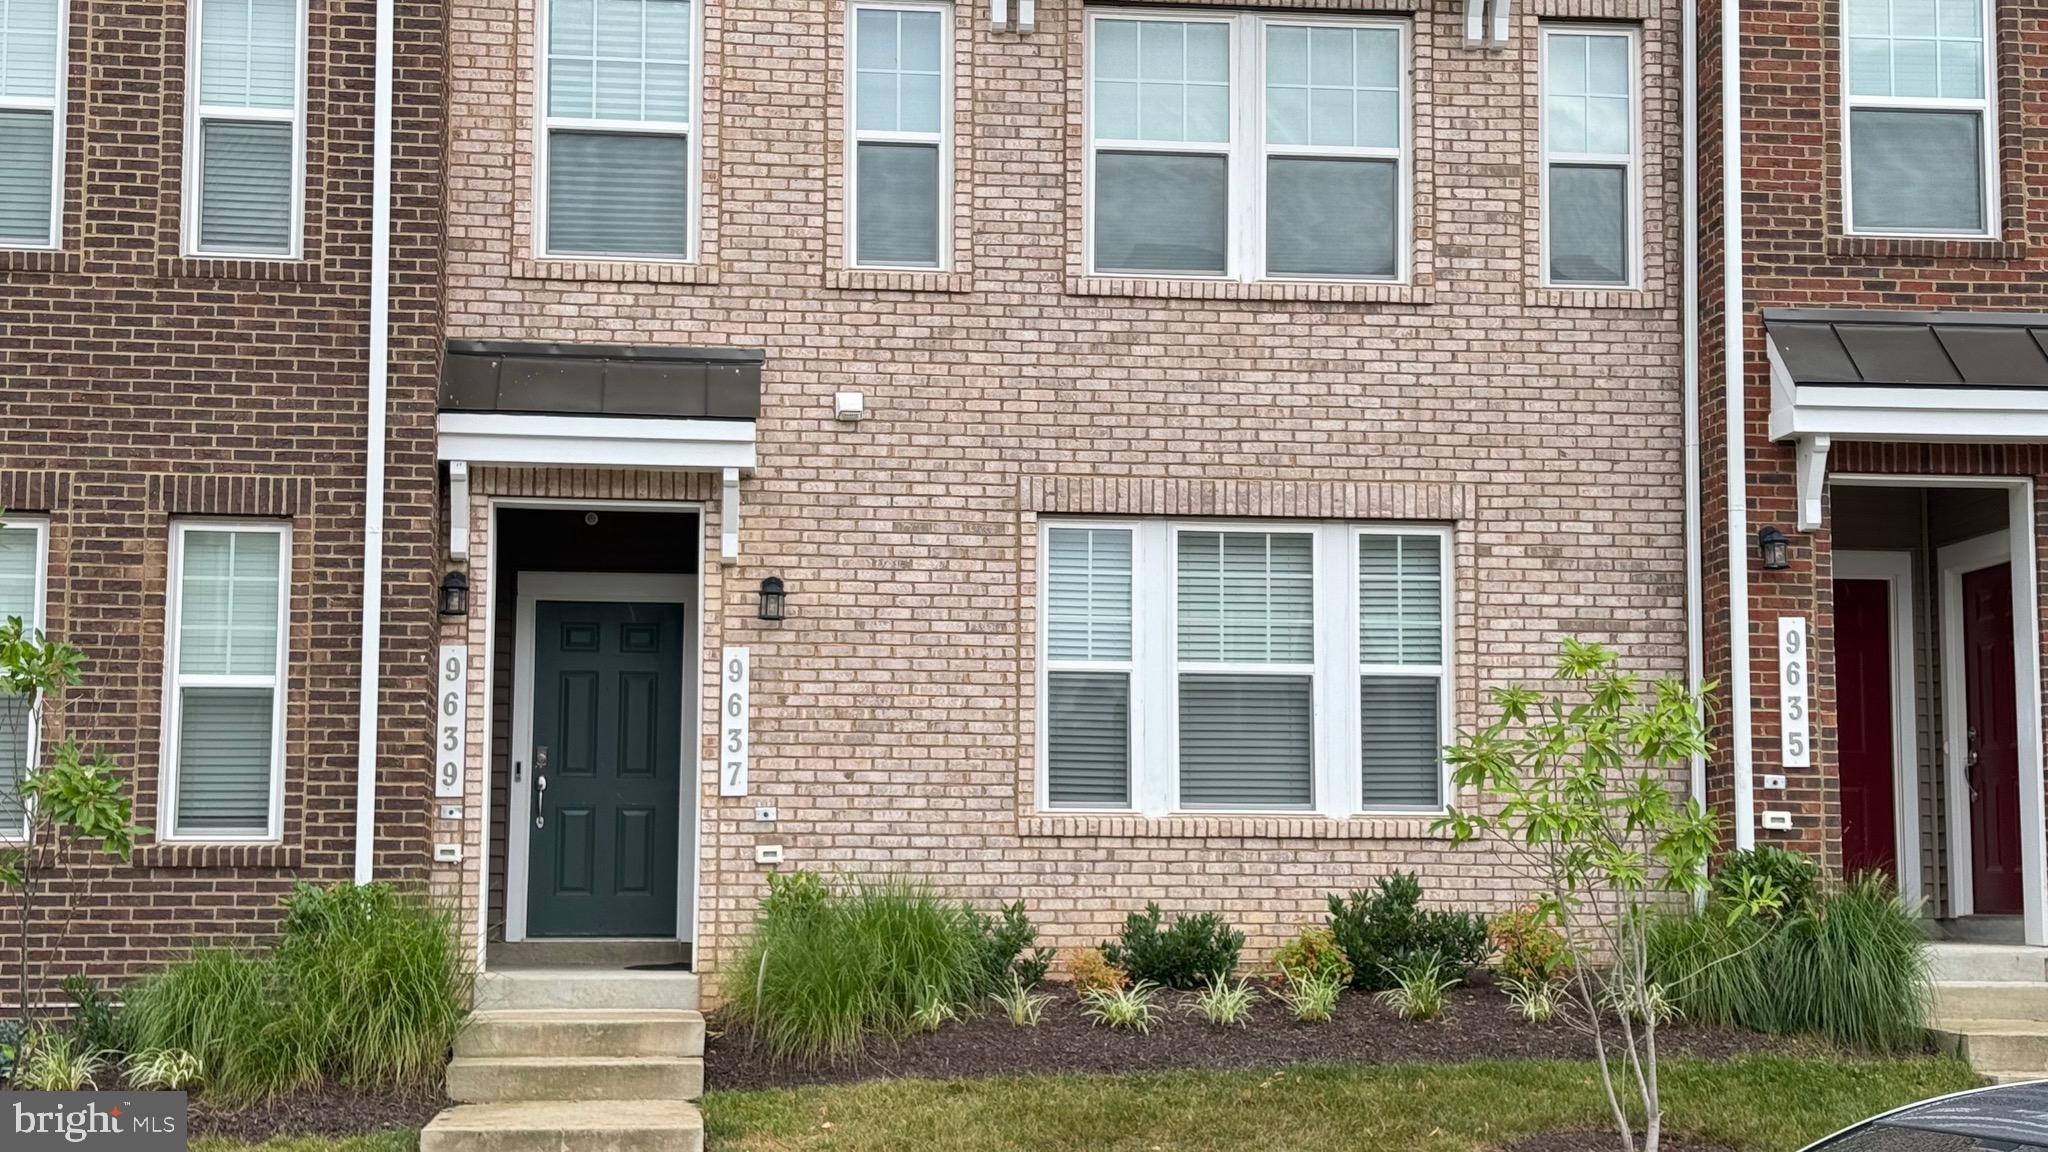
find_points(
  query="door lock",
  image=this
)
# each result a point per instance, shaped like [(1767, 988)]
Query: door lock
[(540, 787)]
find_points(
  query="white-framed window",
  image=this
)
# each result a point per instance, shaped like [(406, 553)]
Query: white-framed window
[(1920, 145), (1199, 666), (32, 71), (618, 146), (1247, 146), (1592, 143), (24, 561), (223, 747), (899, 115), (245, 128)]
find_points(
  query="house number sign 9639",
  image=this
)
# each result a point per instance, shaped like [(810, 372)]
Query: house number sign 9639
[(451, 721), (735, 673), (1792, 675)]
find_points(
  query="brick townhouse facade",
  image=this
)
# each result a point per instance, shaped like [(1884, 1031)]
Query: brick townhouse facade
[(185, 262), (1887, 301)]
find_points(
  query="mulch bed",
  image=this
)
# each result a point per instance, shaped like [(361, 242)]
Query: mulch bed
[(1588, 1140), (326, 1111), (1478, 1023)]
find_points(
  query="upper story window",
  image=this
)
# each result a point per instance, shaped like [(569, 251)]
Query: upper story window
[(31, 122), (1244, 667), (618, 139), (900, 108), (1591, 184), (245, 132), (1247, 146), (22, 551), (224, 693), (1920, 142)]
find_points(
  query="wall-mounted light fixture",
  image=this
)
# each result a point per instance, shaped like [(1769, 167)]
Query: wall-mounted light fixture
[(454, 593), (1772, 546), (774, 600)]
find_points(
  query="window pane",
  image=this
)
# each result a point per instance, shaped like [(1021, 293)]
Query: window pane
[(227, 607), (1157, 213), (28, 48), (26, 172), (1246, 741), (1087, 746), (1916, 171), (897, 70), (1589, 103), (1331, 217), (1161, 80), (620, 59), (1400, 741), (1588, 224), (897, 197), (224, 747), (1333, 86), (611, 194), (1088, 593), (18, 575), (249, 53), (1246, 597), (245, 187), (1400, 599), (15, 739), (18, 601)]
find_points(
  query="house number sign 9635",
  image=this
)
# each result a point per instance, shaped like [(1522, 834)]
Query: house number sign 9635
[(451, 721), (735, 673), (1792, 676)]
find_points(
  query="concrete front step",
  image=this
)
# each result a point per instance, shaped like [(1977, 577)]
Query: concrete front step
[(1991, 1000), (2007, 1045), (2012, 1077), (508, 1079), (568, 1034), (1981, 963), (552, 953), (556, 1126), (590, 989)]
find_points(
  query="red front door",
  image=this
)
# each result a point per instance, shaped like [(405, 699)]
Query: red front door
[(1993, 739), (1863, 687)]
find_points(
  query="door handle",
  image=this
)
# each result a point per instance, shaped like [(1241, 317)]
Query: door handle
[(540, 787)]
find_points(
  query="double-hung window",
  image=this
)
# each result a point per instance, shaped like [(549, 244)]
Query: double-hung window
[(618, 133), (224, 706), (31, 121), (1285, 667), (1590, 148), (1247, 146), (22, 552), (900, 111), (245, 135), (1920, 139)]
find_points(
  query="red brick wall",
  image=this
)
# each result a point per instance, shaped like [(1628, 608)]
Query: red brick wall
[(137, 386)]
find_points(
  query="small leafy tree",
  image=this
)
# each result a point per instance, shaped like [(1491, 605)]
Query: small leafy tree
[(67, 801), (1577, 785)]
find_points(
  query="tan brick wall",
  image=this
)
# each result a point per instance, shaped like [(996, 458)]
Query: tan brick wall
[(893, 712)]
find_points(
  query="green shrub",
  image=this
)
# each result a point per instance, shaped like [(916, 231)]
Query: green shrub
[(1791, 878), (1379, 930), (1007, 948), (1312, 953), (1182, 955), (1529, 949), (1090, 971), (10, 1047), (93, 1021)]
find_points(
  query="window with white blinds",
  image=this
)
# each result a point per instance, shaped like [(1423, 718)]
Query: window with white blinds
[(1589, 155), (31, 121), (225, 701), (899, 103), (1193, 117), (617, 133), (245, 134), (21, 598), (1921, 145), (1244, 667)]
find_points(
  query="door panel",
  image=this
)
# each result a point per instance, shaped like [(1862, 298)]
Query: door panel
[(1865, 738), (1992, 740), (607, 708)]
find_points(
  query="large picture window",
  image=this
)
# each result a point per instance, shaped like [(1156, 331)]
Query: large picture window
[(618, 145), (1193, 119), (1238, 667), (31, 121), (245, 135), (224, 707), (22, 551), (900, 108), (1590, 147), (1920, 142)]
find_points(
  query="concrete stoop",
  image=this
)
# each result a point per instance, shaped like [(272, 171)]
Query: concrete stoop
[(1991, 1008), (576, 1059)]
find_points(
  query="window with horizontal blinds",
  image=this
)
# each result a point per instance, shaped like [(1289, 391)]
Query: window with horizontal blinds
[(1088, 678), (245, 136), (20, 555), (1918, 76), (228, 601), (31, 91), (1401, 659), (618, 116), (899, 102), (1160, 107), (1245, 607), (1247, 741)]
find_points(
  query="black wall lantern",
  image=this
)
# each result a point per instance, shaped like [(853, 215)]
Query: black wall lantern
[(454, 594), (773, 599), (1772, 546)]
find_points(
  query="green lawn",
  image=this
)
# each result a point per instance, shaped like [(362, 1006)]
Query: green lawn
[(1754, 1104)]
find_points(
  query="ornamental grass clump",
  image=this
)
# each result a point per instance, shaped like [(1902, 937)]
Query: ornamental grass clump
[(1310, 997), (1127, 1008), (1224, 1003)]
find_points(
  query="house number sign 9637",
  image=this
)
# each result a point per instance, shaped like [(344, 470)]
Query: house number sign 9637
[(1792, 675), (451, 721), (735, 673)]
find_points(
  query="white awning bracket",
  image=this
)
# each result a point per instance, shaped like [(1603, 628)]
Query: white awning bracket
[(458, 509), (729, 519), (1813, 479)]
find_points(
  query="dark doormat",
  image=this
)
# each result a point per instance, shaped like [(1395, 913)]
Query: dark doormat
[(677, 966)]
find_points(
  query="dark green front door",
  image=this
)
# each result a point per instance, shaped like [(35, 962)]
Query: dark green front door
[(607, 740)]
